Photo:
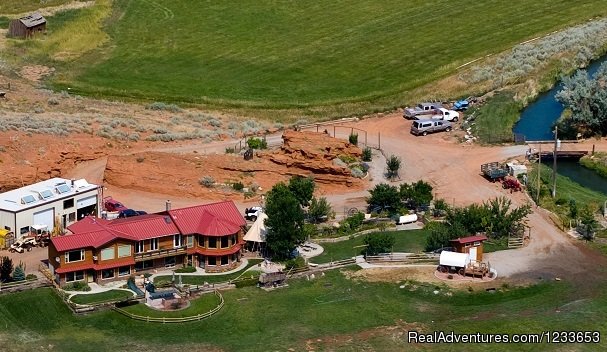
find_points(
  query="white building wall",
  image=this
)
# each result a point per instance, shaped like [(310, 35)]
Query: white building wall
[(7, 219)]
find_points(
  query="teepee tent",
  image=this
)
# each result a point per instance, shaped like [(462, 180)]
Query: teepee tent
[(257, 232)]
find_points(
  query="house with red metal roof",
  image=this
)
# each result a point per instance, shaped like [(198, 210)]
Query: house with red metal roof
[(101, 250)]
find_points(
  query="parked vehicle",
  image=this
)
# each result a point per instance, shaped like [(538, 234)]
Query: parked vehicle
[(252, 213), (421, 109), (423, 127), (461, 105), (128, 213), (512, 184), (110, 205), (494, 171), (23, 244), (440, 114)]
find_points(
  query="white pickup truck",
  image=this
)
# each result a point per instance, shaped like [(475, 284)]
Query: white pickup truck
[(440, 114)]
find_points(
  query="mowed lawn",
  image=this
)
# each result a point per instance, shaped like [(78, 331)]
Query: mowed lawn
[(411, 241), (332, 312), (283, 54), (113, 295)]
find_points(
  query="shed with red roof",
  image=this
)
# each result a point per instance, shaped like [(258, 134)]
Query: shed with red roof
[(472, 245)]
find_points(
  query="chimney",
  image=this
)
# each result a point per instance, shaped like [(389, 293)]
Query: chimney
[(168, 205), (72, 182)]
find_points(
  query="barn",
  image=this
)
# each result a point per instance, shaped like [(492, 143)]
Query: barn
[(27, 26)]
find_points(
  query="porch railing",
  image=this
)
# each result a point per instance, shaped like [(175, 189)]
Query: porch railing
[(159, 253)]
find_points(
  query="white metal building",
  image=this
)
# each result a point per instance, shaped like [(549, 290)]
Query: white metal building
[(46, 203)]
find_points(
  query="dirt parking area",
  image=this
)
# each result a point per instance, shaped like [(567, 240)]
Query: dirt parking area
[(31, 259)]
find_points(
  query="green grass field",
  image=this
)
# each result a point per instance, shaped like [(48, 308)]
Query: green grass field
[(113, 295), (344, 315), (405, 241), (22, 6), (301, 54)]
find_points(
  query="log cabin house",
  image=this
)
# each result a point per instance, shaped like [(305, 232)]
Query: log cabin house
[(100, 250)]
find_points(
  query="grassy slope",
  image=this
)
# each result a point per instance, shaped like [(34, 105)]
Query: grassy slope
[(101, 297), (328, 306), (21, 6), (297, 54), (597, 163), (406, 241)]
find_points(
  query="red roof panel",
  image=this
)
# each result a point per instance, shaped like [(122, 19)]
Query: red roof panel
[(75, 267), (87, 224), (93, 239), (215, 219), (144, 227), (470, 239)]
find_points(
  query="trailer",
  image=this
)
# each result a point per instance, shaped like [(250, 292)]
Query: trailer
[(494, 171)]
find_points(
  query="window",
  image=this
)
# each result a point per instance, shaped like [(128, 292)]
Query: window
[(24, 230), (224, 260), (201, 241), (139, 247), (46, 194), (74, 276), (107, 253), (63, 188), (146, 264), (212, 242), (169, 261), (177, 241), (72, 217), (124, 271), (74, 256), (225, 242), (124, 250), (108, 274), (190, 241), (212, 261), (477, 243), (68, 203), (154, 244), (28, 199)]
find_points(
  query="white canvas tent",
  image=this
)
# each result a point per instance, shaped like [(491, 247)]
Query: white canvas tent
[(257, 232), (454, 259)]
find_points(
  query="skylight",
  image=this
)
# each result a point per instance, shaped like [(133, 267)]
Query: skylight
[(28, 199), (46, 194), (62, 188)]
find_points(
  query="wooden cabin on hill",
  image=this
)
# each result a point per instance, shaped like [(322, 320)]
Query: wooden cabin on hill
[(28, 26)]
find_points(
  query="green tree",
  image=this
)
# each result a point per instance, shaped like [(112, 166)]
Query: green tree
[(392, 167), (367, 154), (440, 234), (302, 188), (380, 242), (384, 197), (353, 138), (440, 207), (320, 210), (19, 273), (416, 194), (588, 223), (285, 221), (6, 269)]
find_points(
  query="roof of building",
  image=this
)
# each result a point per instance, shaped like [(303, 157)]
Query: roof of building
[(42, 193), (216, 219), (32, 20), (470, 239)]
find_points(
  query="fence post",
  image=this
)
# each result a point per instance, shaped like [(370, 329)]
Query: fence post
[(334, 135), (379, 140), (365, 138)]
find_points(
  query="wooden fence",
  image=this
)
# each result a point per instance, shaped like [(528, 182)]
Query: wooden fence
[(174, 320), (405, 258), (19, 286)]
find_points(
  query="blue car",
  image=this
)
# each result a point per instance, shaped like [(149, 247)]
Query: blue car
[(461, 105)]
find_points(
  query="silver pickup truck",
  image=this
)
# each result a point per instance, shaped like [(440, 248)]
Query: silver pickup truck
[(421, 109)]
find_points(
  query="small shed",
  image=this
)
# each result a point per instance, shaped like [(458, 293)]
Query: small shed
[(27, 26), (472, 245)]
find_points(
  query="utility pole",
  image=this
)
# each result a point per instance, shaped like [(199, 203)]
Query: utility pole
[(539, 169), (556, 130)]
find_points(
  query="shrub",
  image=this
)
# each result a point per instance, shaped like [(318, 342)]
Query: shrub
[(380, 242), (257, 143), (187, 269), (367, 154), (207, 181), (353, 138), (237, 186), (320, 210), (158, 106), (19, 273), (140, 159), (6, 269), (31, 277), (53, 101), (295, 263), (230, 150), (357, 172), (133, 137), (77, 286), (160, 130), (393, 167), (245, 282), (348, 159)]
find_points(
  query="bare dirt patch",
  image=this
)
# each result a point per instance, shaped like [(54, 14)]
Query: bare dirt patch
[(35, 73)]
